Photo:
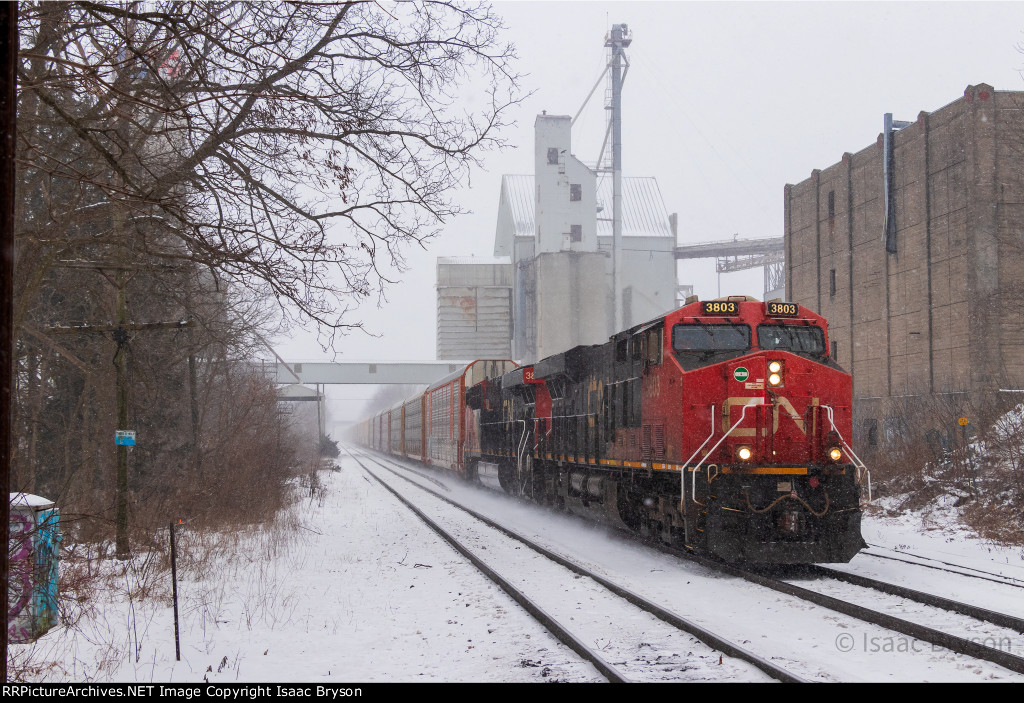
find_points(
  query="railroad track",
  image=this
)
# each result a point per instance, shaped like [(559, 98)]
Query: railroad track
[(1001, 619), (916, 630), (958, 569), (559, 629), (924, 633)]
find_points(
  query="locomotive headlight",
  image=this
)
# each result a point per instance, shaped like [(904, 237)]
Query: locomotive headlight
[(775, 379), (835, 454), (775, 366), (744, 453)]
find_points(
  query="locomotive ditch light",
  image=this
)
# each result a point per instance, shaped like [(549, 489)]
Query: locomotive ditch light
[(835, 454), (744, 453)]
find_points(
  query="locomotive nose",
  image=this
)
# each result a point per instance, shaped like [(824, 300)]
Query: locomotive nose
[(746, 381)]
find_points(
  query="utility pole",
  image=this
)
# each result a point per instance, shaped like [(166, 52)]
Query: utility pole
[(120, 334), (619, 39), (122, 548), (8, 125), (193, 401)]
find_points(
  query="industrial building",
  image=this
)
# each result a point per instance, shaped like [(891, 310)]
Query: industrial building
[(550, 284), (590, 252), (474, 308), (913, 248), (556, 228)]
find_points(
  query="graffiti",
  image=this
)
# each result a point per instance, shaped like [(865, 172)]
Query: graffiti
[(32, 589), (22, 564)]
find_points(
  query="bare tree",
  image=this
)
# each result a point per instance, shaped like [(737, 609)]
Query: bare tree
[(194, 160), (293, 144)]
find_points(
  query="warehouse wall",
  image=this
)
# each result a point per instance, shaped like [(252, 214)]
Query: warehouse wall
[(935, 317)]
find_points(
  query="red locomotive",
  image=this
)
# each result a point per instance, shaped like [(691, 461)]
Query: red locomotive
[(723, 426)]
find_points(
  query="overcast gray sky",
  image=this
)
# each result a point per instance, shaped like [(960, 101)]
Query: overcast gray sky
[(724, 104)]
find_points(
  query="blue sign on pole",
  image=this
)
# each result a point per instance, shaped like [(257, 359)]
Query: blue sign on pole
[(124, 437)]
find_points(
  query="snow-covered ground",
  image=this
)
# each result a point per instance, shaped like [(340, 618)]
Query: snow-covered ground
[(358, 589), (941, 545)]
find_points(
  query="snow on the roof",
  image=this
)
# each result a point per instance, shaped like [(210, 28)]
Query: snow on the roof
[(485, 260), (643, 209), (296, 391), (30, 501), (519, 194)]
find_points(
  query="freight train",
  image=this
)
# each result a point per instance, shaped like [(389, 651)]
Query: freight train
[(723, 427)]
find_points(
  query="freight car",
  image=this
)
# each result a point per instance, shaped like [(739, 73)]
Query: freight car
[(432, 427), (723, 426)]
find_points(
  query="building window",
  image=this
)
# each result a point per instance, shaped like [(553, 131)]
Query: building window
[(871, 426), (835, 351), (575, 192), (832, 283), (575, 233), (553, 156), (831, 205)]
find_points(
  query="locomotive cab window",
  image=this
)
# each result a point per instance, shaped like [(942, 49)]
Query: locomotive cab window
[(710, 338), (621, 351), (794, 338)]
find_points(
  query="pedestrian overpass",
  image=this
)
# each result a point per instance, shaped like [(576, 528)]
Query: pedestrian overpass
[(360, 372)]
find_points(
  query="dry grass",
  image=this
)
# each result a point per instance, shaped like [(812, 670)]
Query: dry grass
[(108, 607), (929, 458)]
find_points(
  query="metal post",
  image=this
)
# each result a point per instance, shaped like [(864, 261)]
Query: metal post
[(193, 399), (174, 593), (123, 549), (617, 42), (319, 420), (8, 111), (889, 128), (889, 235)]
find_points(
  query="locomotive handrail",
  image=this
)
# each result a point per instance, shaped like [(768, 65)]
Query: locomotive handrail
[(519, 453), (857, 463), (556, 417), (682, 484), (693, 487), (546, 435)]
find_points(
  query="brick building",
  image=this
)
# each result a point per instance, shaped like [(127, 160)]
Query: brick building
[(914, 251)]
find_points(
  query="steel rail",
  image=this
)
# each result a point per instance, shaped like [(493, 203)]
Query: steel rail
[(552, 625), (706, 636), (921, 632), (989, 576), (427, 477), (974, 611), (890, 622)]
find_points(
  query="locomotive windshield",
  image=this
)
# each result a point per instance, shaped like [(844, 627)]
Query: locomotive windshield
[(794, 338), (710, 338)]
